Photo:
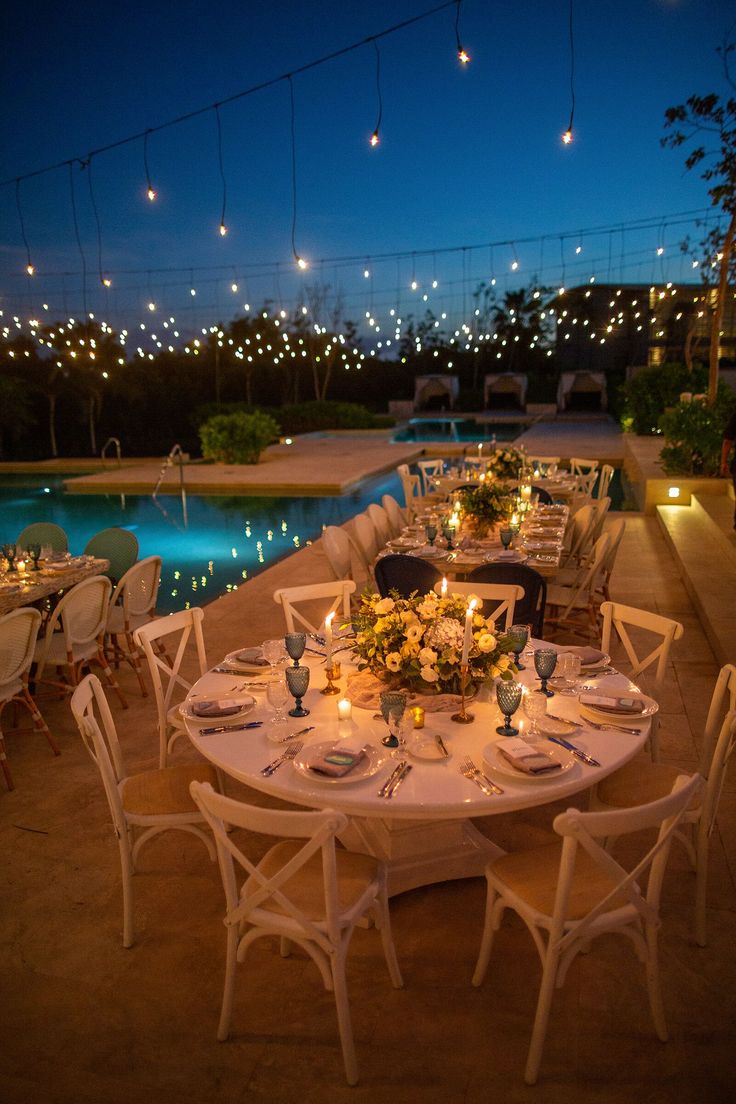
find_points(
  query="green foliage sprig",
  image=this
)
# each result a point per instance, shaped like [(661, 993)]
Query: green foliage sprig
[(237, 438)]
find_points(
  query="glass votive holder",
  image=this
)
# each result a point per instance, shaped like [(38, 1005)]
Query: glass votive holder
[(418, 715)]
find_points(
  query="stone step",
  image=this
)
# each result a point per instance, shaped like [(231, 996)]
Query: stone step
[(703, 545)]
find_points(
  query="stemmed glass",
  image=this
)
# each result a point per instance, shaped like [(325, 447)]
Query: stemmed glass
[(277, 694), (448, 532), (431, 530), (9, 552), (568, 672), (393, 705), (34, 552), (274, 652), (518, 636), (507, 535), (295, 645), (297, 679), (545, 661), (508, 696), (535, 707)]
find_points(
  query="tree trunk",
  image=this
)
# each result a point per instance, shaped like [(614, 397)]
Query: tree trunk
[(52, 425), (717, 319), (249, 387)]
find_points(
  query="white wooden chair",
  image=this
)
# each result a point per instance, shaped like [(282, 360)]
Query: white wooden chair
[(366, 540), (580, 466), (133, 603), (604, 480), (575, 890), (334, 597), (601, 506), (499, 598), (577, 538), (411, 486), (615, 533), (179, 633), (641, 781), (337, 549), (394, 513), (152, 801), (303, 891), (18, 635), (545, 465), (74, 636), (650, 628), (572, 605), (429, 470), (381, 524)]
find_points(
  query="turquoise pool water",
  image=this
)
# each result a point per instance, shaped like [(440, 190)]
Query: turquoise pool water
[(226, 539), (457, 429)]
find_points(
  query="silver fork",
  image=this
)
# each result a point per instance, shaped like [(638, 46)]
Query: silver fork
[(290, 752), (615, 727), (474, 774)]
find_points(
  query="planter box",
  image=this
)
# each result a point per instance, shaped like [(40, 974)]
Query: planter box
[(652, 487)]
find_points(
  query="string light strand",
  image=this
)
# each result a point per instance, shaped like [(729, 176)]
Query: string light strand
[(462, 55), (375, 137), (300, 262), (223, 224), (567, 135), (30, 267)]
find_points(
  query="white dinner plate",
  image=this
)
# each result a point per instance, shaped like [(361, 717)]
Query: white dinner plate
[(604, 715), (426, 748), (494, 760), (237, 665), (403, 542), (374, 760), (427, 552), (245, 702), (506, 557), (551, 727)]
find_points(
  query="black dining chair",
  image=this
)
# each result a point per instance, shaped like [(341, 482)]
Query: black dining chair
[(405, 574), (545, 498), (529, 610)]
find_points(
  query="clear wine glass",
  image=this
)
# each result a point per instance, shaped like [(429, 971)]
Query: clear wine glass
[(277, 694), (274, 651), (535, 708)]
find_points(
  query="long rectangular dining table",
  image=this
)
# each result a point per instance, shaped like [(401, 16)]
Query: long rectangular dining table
[(424, 833), (26, 587)]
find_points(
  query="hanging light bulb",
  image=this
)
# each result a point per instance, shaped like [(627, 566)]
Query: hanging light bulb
[(151, 193), (106, 282), (223, 229), (234, 288), (151, 306), (30, 269), (192, 291), (514, 266), (374, 138), (567, 137), (301, 263), (463, 56)]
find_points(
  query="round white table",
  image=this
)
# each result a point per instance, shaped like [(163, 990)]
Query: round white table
[(424, 832)]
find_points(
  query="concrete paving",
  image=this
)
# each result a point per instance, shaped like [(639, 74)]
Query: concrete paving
[(84, 1021)]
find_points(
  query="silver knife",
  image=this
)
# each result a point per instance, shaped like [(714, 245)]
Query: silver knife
[(293, 735), (576, 751), (395, 785), (392, 778), (228, 728), (441, 744)]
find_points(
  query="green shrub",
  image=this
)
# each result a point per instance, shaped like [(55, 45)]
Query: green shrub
[(237, 438), (653, 390), (309, 417), (693, 434)]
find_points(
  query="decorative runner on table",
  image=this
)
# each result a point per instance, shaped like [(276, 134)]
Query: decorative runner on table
[(364, 691)]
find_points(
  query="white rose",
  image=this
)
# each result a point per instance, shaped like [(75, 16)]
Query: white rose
[(429, 674), (427, 657), (414, 633), (393, 661), (486, 642), (385, 605)]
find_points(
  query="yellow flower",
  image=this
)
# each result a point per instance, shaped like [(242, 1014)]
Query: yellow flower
[(429, 674), (385, 605), (409, 650), (414, 633), (428, 608), (427, 657), (381, 625), (504, 662), (486, 642), (495, 671), (393, 661)]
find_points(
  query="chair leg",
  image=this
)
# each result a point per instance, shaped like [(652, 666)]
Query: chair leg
[(231, 961), (126, 866), (4, 763), (489, 926), (107, 672), (701, 886), (135, 660), (653, 986), (344, 1023), (541, 1020), (387, 939), (38, 720)]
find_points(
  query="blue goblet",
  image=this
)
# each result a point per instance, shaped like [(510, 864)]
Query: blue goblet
[(295, 645), (518, 636), (297, 679), (448, 532), (508, 696), (9, 552), (431, 531), (393, 705), (545, 661), (506, 535), (34, 552)]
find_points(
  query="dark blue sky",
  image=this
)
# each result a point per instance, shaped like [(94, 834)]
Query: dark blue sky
[(468, 154)]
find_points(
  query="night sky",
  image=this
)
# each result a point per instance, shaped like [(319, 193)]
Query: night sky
[(468, 154)]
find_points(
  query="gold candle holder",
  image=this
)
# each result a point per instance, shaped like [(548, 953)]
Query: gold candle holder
[(332, 674), (463, 717)]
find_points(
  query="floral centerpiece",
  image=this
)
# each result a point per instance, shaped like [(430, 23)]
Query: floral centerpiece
[(417, 642), (484, 506), (505, 463)]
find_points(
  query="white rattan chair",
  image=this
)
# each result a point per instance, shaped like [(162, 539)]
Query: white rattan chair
[(153, 801), (575, 890), (133, 603), (18, 634), (303, 891), (333, 597), (366, 541), (181, 631), (336, 546), (652, 631), (499, 599), (394, 513), (381, 524), (74, 636), (641, 781)]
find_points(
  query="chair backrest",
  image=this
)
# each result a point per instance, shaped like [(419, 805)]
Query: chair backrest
[(332, 596), (664, 629), (601, 506), (529, 609), (499, 599), (366, 539), (722, 702), (544, 497), (584, 485), (137, 590), (580, 466), (411, 486), (18, 633), (543, 461), (394, 513), (588, 576), (176, 630), (336, 546), (266, 893), (89, 707), (381, 524), (579, 829), (578, 536), (615, 533), (604, 480), (428, 469), (405, 574), (81, 615), (716, 767), (119, 546), (44, 532)]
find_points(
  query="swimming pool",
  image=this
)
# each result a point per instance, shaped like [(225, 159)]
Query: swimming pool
[(459, 429), (226, 541)]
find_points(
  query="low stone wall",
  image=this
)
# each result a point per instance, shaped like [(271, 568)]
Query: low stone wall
[(651, 486)]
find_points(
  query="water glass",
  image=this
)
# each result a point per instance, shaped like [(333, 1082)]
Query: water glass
[(9, 552), (277, 694), (518, 636), (545, 661), (535, 708), (568, 672), (295, 645), (508, 696), (297, 679), (431, 531), (34, 552), (393, 706), (274, 652)]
